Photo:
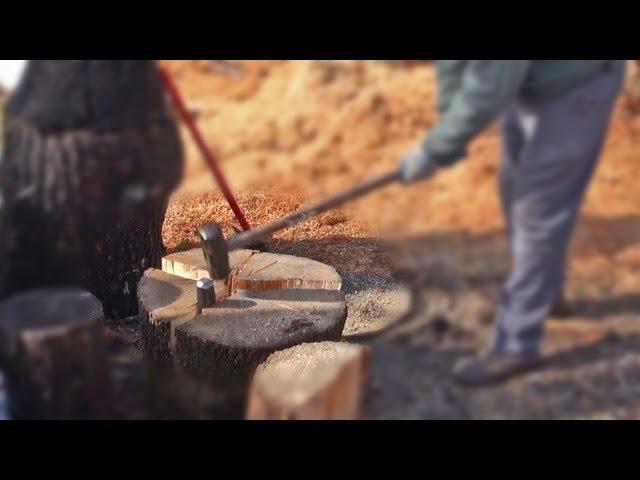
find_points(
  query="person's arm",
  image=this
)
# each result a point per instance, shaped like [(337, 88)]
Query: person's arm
[(487, 87)]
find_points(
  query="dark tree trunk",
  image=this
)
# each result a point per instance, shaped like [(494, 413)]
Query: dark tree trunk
[(91, 155)]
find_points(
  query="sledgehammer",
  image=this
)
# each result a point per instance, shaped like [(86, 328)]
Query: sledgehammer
[(216, 249)]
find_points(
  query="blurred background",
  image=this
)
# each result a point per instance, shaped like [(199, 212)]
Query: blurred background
[(288, 132)]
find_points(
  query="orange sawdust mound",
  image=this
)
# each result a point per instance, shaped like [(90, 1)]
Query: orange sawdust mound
[(300, 130), (330, 122), (325, 238)]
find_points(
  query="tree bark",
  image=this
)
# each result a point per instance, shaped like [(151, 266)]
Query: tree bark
[(91, 155), (232, 338), (53, 352)]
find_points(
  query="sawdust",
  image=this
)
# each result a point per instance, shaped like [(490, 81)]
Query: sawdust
[(330, 238), (375, 303), (309, 128)]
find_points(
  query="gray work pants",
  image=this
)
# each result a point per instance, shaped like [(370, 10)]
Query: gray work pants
[(550, 151)]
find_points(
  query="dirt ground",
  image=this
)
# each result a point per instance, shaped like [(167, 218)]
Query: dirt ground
[(289, 132)]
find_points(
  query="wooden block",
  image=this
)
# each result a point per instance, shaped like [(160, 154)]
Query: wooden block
[(52, 348), (312, 381)]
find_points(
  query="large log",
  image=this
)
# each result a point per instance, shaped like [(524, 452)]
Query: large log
[(313, 381), (167, 298), (52, 349), (227, 342), (90, 157)]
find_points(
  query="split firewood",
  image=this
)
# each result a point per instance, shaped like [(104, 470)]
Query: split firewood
[(312, 381), (268, 303)]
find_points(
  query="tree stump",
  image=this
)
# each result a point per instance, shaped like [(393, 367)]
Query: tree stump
[(228, 341), (167, 298), (313, 381), (53, 353), (90, 157)]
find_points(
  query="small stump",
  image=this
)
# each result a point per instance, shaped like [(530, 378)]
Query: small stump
[(52, 348), (270, 302), (313, 381)]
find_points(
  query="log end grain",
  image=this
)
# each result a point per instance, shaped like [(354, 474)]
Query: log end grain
[(323, 380)]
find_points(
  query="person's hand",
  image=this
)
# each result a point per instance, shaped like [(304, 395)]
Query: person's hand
[(416, 165)]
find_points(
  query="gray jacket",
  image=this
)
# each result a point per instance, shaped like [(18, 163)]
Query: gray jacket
[(473, 93)]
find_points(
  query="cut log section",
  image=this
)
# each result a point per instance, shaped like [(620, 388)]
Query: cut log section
[(252, 270), (246, 325), (164, 301), (52, 348), (313, 381), (233, 338)]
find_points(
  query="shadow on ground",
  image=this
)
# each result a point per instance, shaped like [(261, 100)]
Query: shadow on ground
[(593, 366)]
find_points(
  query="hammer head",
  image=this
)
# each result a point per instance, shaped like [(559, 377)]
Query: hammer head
[(216, 254)]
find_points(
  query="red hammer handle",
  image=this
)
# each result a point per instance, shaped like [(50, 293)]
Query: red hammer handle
[(189, 121)]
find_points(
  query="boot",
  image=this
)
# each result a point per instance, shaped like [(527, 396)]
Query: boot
[(493, 367)]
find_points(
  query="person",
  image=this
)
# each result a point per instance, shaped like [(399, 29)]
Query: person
[(555, 118)]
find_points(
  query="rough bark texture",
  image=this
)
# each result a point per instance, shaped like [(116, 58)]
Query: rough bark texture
[(90, 157), (53, 352), (312, 381)]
